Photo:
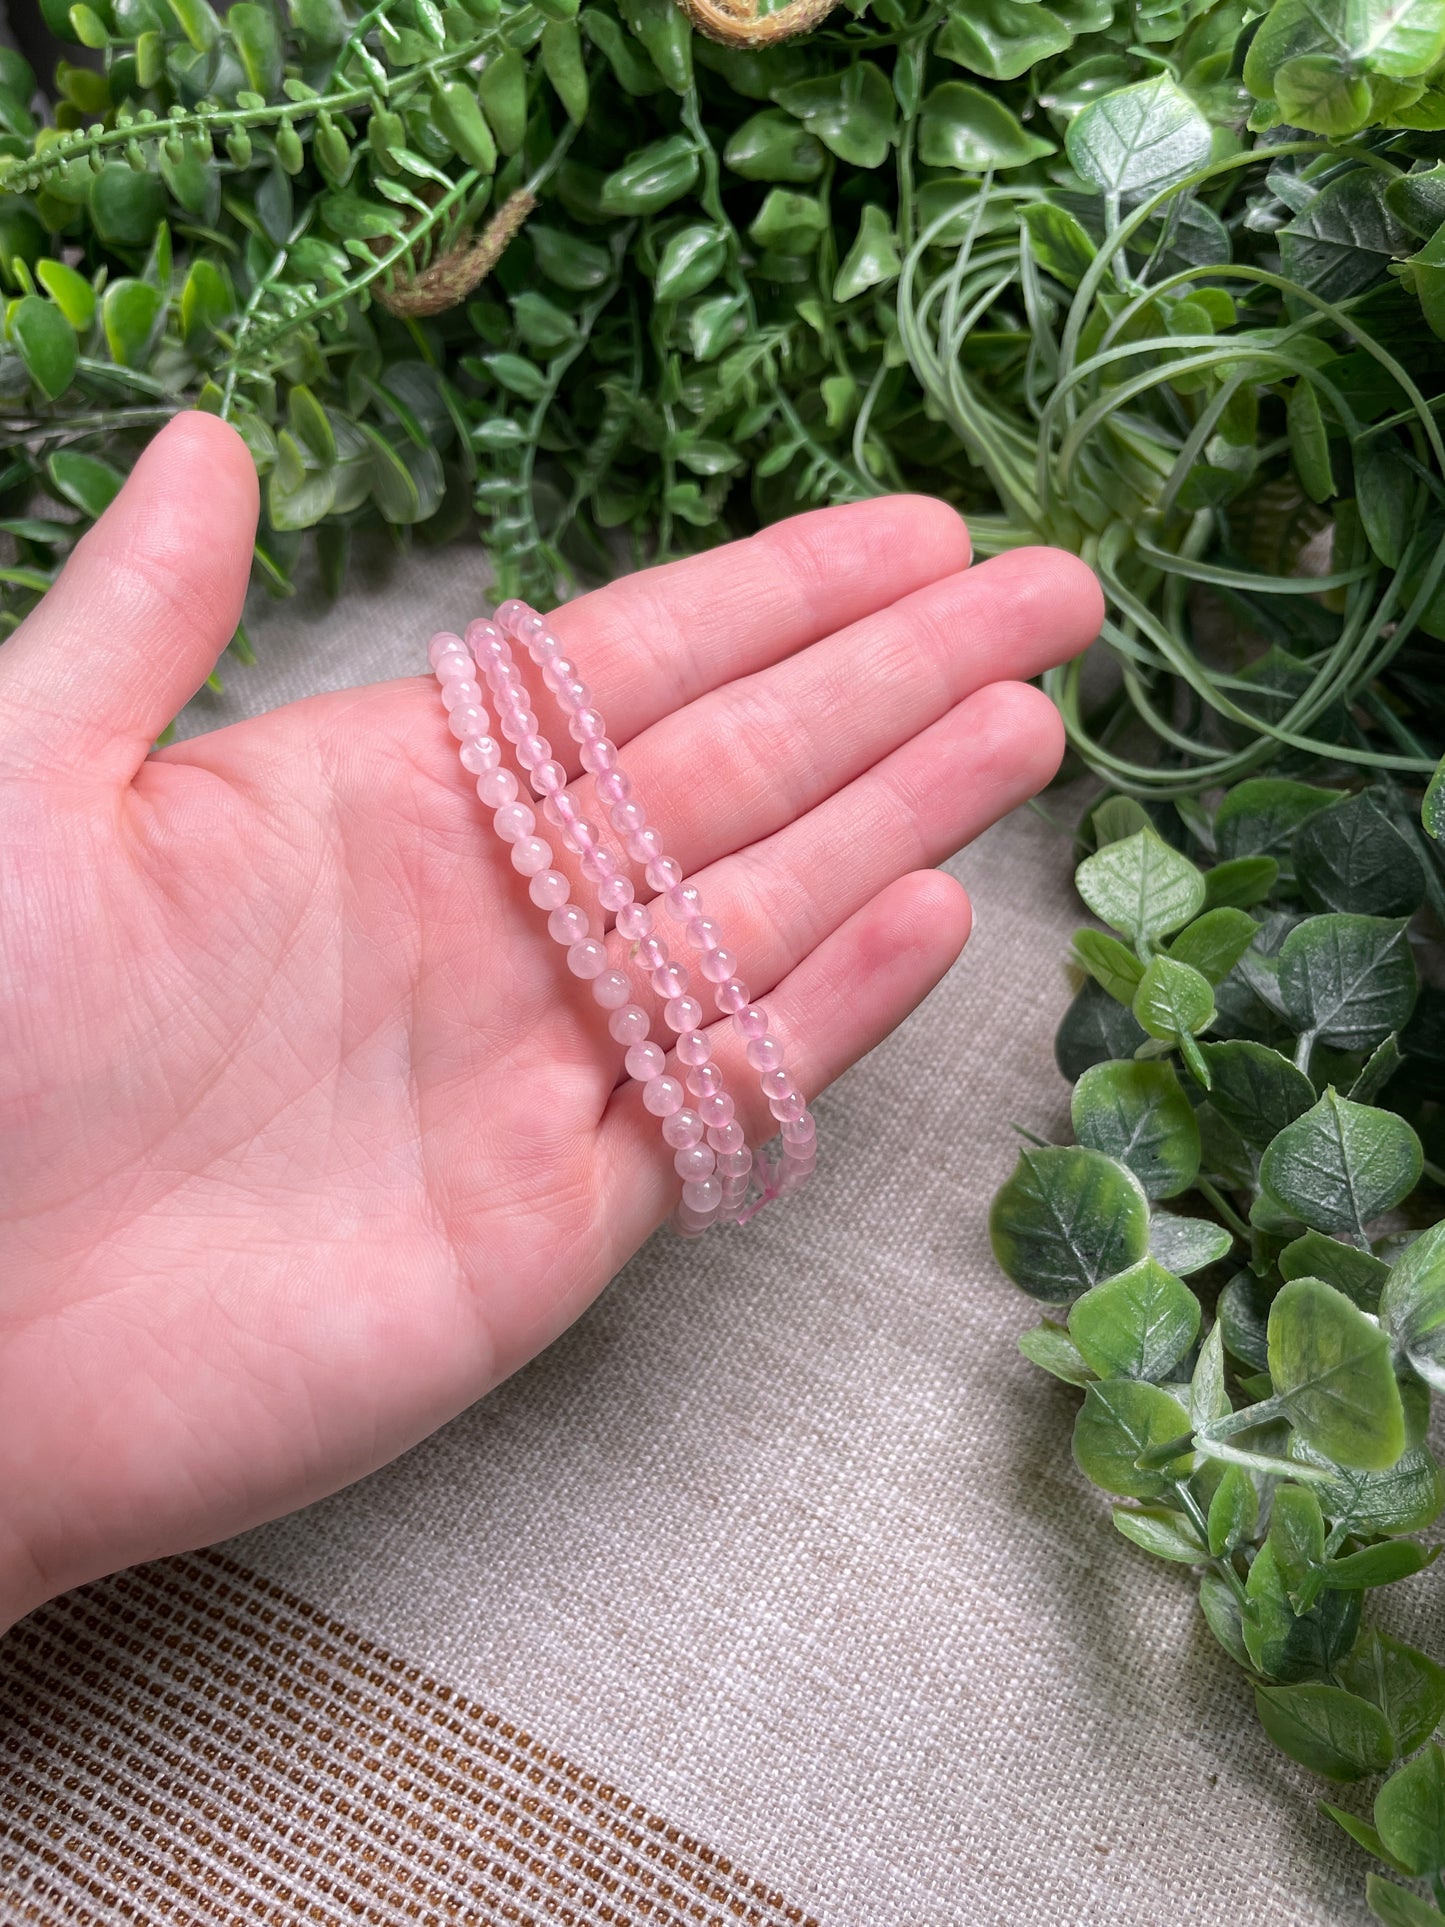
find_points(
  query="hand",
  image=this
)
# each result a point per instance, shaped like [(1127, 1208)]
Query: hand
[(306, 1136)]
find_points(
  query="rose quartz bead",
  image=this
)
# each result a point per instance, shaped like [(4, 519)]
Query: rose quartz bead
[(497, 788), (649, 952), (644, 1062), (718, 965), (663, 1096), (801, 1130), (464, 690), (615, 894), (557, 669), (684, 902), (704, 1079), (468, 719), (573, 695), (586, 725), (612, 990), (614, 786), (531, 854), (626, 817), (509, 614), (765, 1053), (580, 837), (751, 1021), (587, 958), (726, 1137), (568, 924), (696, 1162), (664, 873), (562, 809), (777, 1083), (683, 1129), (732, 997), (598, 754), (735, 1164), (634, 921), (785, 1109), (629, 1024), (514, 820), (518, 725), (599, 865), (682, 1013), (482, 635), (481, 753), (644, 845), (671, 980), (454, 668), (532, 751), (716, 1108), (444, 643), (548, 777), (549, 890), (703, 934), (702, 1194), (527, 626), (693, 1048)]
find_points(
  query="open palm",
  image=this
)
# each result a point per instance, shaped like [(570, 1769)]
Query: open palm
[(306, 1137)]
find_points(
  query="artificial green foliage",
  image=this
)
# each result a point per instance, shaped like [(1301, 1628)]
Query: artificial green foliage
[(1164, 284), (1257, 1383)]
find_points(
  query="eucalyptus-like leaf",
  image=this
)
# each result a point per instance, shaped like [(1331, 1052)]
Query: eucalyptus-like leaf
[(1255, 1089), (1141, 886), (1050, 1347), (1187, 1245), (1214, 943), (1410, 1813), (1120, 1420), (1208, 1395), (1289, 1646), (1243, 1312), (1138, 1113), (1382, 1565), (1233, 1511), (1352, 858), (1259, 817), (1331, 1370), (1332, 1732), (1162, 1531), (1112, 965), (1296, 1538), (1351, 980), (1222, 1615), (1406, 1498), (1094, 1029), (1067, 1219), (1406, 1684), (1396, 1906), (1174, 1001), (1240, 882), (1358, 1274), (1341, 1165), (1361, 1832), (1412, 1304), (1136, 1325), (1137, 139)]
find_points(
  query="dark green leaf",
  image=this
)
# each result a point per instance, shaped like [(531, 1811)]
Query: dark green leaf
[(1406, 1498), (1094, 1029), (1137, 1113), (1356, 1273), (1002, 39), (1292, 1646), (47, 344), (852, 112), (1067, 1219), (1222, 1614), (126, 206), (965, 128), (1243, 1318), (774, 147), (1410, 1810), (1242, 881), (1349, 979), (85, 480), (1351, 857), (1255, 1089), (1326, 1729), (1341, 1165), (1260, 816)]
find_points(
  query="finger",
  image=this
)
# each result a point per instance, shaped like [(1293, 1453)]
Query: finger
[(743, 761), (145, 605), (841, 1000), (655, 641)]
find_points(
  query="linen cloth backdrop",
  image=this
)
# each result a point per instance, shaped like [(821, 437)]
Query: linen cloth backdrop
[(768, 1594)]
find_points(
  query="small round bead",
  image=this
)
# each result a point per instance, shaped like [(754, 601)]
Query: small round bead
[(682, 1130), (682, 1013), (684, 901), (751, 1021), (716, 1108), (586, 725), (599, 754), (643, 846), (626, 817), (531, 854), (549, 890), (468, 719), (464, 690), (534, 751), (649, 952), (786, 1109), (696, 1162), (732, 997), (505, 673), (634, 921), (629, 1024), (548, 777), (444, 643), (718, 965), (612, 990), (544, 647), (670, 981), (704, 1079), (527, 626), (560, 808), (573, 695), (509, 614), (558, 669), (800, 1130), (514, 820), (614, 786), (484, 639), (726, 1137), (599, 865), (580, 837), (497, 788), (481, 753), (735, 1164), (692, 1224), (702, 1194), (588, 957), (644, 1062), (664, 873), (663, 1096), (455, 668), (765, 1054), (568, 924), (777, 1083), (615, 893), (693, 1048), (703, 934), (518, 725)]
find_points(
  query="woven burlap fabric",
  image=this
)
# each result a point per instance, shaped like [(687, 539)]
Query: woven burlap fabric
[(783, 1539)]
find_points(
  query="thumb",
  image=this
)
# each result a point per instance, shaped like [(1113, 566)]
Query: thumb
[(134, 624)]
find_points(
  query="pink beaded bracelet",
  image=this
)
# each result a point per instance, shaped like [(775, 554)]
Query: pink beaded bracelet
[(721, 1180)]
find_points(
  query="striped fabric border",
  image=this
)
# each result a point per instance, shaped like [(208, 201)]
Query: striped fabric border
[(187, 1743)]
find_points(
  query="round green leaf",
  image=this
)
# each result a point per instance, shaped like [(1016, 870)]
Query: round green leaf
[(1137, 1325), (47, 344), (1351, 858), (774, 147), (1187, 1245), (1341, 1164), (91, 484), (1141, 886), (1333, 1733), (1067, 1219), (1292, 1646), (1358, 1274), (1173, 1000), (1093, 1029), (1396, 1906), (1410, 1813), (1242, 881), (1138, 1113), (125, 206), (1412, 1304), (1002, 39), (1255, 1089), (1405, 1498), (1406, 1684), (1260, 816), (1050, 1347), (1162, 1531), (130, 312), (1214, 943), (1120, 1420), (1331, 1369), (1349, 979), (1319, 93), (1138, 139), (965, 128), (71, 292)]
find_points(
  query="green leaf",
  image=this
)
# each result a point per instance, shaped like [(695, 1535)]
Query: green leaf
[(652, 178), (1292, 1646), (568, 260), (1341, 1165), (131, 313), (692, 259), (1410, 1811), (502, 95), (772, 146), (1208, 1395), (1094, 1029), (1221, 1612), (1242, 881), (1261, 815), (256, 32), (852, 112), (1351, 858), (1344, 238), (1397, 1908), (90, 484), (1377, 1070), (1136, 1325), (1061, 245), (1406, 1498), (1173, 1000), (1319, 93), (1233, 1511), (1136, 140), (1050, 1347), (1406, 1684), (1432, 810), (1214, 943), (1162, 1531), (47, 344), (873, 261), (126, 206), (1412, 1304), (789, 223), (392, 487), (1255, 1089), (1187, 1245), (71, 292), (1119, 1421), (1332, 1732), (1356, 1273), (1296, 1538), (1361, 1832), (1243, 1317), (1384, 496), (1141, 886), (1110, 963), (1332, 1372), (1349, 979), (1309, 441), (310, 424), (965, 128), (1380, 1565), (1002, 39), (1067, 1219), (205, 302), (1138, 1113)]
